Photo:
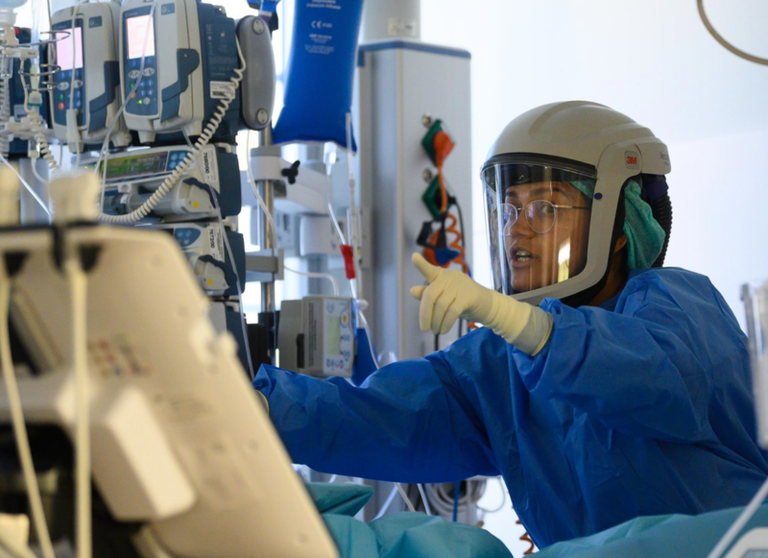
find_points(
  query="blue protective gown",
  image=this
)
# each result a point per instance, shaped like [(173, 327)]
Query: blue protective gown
[(642, 406)]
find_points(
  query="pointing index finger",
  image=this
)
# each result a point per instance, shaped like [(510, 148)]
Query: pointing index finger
[(429, 271)]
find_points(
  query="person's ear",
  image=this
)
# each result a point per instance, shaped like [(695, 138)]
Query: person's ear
[(620, 243)]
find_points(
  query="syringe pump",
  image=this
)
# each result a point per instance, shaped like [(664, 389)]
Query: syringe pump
[(205, 248), (132, 177), (316, 336), (176, 63), (85, 104)]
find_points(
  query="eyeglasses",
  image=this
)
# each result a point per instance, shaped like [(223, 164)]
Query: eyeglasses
[(540, 215)]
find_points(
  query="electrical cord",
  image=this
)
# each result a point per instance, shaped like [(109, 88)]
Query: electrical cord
[(17, 419), (78, 292), (37, 174), (719, 38), (503, 499), (405, 498), (210, 129), (526, 538)]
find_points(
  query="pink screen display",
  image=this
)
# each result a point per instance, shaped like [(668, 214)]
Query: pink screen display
[(137, 35), (70, 49)]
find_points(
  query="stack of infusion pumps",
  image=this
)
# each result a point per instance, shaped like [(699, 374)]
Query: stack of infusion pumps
[(140, 83)]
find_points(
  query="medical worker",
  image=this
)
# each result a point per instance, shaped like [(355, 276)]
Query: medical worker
[(603, 387)]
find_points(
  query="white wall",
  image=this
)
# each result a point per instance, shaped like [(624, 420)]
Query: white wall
[(654, 61)]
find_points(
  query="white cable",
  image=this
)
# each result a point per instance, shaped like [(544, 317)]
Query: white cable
[(503, 498), (386, 505), (332, 479), (335, 221), (29, 188), (404, 496), (259, 199), (210, 129), (78, 292), (424, 498), (314, 275), (441, 497), (740, 522), (273, 229), (17, 418), (35, 172)]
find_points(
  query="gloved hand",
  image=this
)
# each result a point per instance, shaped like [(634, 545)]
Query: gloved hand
[(451, 295)]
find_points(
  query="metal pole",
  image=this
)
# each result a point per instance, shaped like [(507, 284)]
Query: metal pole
[(268, 302)]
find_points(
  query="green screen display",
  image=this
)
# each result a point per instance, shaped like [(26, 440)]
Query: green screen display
[(138, 165)]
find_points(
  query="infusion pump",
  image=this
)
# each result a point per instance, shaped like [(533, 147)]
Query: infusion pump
[(131, 178), (86, 91), (176, 61)]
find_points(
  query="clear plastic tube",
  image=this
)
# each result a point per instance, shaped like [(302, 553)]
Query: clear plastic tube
[(273, 229)]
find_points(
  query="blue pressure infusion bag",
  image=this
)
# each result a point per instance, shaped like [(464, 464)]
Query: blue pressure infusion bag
[(318, 92)]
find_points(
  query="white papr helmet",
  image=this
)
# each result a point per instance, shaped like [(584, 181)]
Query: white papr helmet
[(554, 183)]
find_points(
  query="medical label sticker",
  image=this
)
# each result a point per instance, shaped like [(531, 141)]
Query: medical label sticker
[(221, 89), (402, 27), (117, 357), (209, 167), (216, 243)]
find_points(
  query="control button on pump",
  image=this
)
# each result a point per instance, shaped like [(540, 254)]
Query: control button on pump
[(78, 83), (133, 74), (60, 106), (148, 72), (146, 100), (63, 85)]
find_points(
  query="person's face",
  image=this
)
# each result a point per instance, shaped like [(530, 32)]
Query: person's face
[(540, 259)]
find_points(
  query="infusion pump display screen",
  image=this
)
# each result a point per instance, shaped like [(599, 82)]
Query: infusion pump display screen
[(137, 29), (69, 49), (139, 165)]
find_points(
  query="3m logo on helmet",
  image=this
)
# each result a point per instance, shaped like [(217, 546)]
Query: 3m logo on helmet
[(632, 160)]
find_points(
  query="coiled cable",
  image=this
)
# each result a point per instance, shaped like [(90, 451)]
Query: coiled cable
[(210, 129)]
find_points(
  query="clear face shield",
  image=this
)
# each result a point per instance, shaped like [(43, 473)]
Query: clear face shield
[(538, 224)]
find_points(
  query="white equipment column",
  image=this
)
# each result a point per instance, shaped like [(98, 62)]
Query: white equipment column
[(401, 84)]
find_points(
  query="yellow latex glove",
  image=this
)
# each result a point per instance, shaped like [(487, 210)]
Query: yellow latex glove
[(451, 295)]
